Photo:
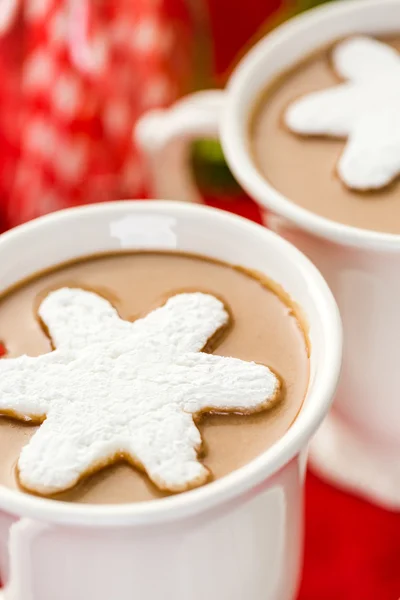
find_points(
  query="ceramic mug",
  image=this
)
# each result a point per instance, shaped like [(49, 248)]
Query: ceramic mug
[(239, 537), (359, 444)]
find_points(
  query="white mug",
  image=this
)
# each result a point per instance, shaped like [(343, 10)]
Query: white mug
[(239, 537), (358, 446)]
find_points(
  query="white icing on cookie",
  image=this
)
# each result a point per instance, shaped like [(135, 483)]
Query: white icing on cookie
[(364, 109), (115, 388)]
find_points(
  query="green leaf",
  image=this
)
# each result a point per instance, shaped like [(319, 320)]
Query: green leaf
[(211, 172)]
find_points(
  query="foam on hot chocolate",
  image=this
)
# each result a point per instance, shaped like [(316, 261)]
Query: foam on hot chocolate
[(135, 285)]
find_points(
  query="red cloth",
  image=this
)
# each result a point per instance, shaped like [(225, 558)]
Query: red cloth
[(352, 549), (75, 77)]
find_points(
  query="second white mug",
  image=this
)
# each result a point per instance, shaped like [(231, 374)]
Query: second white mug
[(359, 445)]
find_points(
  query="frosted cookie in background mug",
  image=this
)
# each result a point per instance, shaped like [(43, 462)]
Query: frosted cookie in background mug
[(308, 124), (202, 312), (333, 120)]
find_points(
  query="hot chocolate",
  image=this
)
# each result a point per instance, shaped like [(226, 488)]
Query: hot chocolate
[(262, 328), (325, 135)]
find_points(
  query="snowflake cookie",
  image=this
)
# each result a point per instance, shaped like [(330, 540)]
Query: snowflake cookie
[(113, 389), (364, 109)]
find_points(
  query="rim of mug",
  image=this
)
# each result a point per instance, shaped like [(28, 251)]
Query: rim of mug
[(247, 477), (235, 144)]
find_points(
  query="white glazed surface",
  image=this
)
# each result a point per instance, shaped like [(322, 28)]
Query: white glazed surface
[(360, 266), (360, 448), (238, 537)]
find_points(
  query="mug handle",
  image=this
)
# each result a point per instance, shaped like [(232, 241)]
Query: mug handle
[(164, 136)]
